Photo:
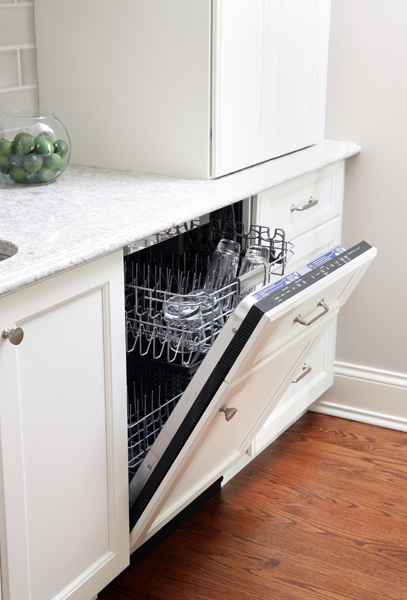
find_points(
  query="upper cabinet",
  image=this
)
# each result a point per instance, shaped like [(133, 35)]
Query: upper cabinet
[(192, 89)]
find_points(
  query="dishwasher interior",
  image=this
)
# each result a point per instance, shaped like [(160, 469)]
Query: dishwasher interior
[(162, 356)]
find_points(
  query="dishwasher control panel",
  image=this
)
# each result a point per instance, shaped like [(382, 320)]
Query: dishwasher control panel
[(293, 283)]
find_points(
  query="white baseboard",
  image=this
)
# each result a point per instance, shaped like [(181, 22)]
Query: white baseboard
[(367, 395)]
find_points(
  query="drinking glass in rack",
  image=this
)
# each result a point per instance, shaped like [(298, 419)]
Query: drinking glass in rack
[(183, 318), (223, 267), (254, 257), (212, 316)]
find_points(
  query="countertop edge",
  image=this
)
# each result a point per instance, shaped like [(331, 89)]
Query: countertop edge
[(116, 192)]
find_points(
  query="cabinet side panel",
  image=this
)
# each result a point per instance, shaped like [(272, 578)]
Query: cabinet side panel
[(131, 81)]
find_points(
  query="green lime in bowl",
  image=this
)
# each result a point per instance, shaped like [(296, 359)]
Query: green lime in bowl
[(34, 147)]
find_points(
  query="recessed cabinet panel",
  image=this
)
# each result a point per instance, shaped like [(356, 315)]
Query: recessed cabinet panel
[(245, 104), (311, 372), (269, 74), (301, 205), (63, 435), (303, 72), (53, 414), (318, 369)]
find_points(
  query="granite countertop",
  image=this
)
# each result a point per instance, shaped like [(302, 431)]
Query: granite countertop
[(90, 212)]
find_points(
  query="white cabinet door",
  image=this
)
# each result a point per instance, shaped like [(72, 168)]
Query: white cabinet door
[(64, 513), (303, 64), (252, 363), (269, 79), (245, 74)]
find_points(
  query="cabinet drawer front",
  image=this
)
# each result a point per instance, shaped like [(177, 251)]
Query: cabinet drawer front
[(300, 395), (317, 368), (314, 243), (279, 207)]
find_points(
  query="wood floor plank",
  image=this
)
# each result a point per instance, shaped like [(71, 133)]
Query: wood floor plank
[(365, 497), (319, 515), (265, 563), (344, 465), (335, 500), (300, 529), (342, 430)]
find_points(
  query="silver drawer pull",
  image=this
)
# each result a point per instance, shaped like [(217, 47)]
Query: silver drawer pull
[(305, 370), (311, 202), (299, 319), (229, 412)]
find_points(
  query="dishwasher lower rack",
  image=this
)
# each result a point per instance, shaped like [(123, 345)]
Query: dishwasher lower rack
[(154, 389), (159, 370)]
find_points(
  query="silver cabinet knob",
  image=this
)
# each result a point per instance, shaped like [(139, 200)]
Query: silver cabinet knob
[(229, 412), (15, 335)]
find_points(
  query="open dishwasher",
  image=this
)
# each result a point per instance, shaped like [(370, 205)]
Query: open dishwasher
[(196, 401)]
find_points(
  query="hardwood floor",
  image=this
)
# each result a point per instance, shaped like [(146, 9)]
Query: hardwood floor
[(319, 515)]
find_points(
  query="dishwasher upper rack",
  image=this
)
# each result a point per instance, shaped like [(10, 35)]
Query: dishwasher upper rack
[(148, 333)]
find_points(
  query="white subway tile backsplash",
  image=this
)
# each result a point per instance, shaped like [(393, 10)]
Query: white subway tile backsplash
[(19, 99), (9, 69), (17, 25), (28, 65), (18, 63)]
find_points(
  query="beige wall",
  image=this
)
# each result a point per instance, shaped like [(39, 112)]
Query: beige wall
[(367, 104)]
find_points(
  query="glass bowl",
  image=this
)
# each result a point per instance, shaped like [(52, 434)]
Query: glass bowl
[(34, 147)]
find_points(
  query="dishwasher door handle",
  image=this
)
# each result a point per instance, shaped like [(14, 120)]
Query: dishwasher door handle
[(299, 319)]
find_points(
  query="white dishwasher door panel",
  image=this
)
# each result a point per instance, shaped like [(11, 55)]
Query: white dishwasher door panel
[(260, 350), (311, 380), (223, 442)]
